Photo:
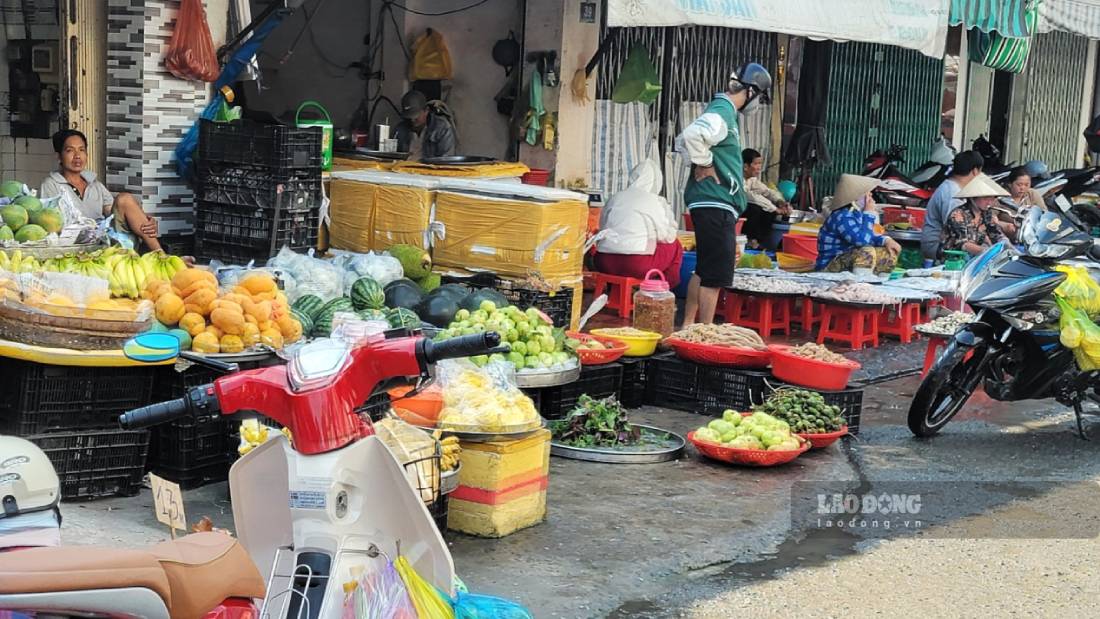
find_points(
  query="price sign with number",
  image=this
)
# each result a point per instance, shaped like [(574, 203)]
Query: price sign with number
[(168, 503)]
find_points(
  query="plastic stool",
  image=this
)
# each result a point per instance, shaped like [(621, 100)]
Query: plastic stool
[(807, 316), (900, 320), (763, 313), (934, 344), (853, 326), (620, 292)]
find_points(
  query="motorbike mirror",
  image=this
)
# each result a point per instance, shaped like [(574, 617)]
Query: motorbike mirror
[(152, 347)]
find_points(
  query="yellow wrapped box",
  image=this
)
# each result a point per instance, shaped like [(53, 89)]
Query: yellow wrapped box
[(511, 237), (498, 466), (369, 216), (501, 486)]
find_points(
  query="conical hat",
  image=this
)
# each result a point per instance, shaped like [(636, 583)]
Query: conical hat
[(982, 187), (851, 188)]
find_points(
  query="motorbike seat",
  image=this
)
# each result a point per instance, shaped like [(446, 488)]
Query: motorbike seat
[(191, 575)]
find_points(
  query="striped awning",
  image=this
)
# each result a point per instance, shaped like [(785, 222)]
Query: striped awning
[(1080, 17), (1003, 16)]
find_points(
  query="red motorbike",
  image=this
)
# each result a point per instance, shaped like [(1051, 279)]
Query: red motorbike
[(311, 515)]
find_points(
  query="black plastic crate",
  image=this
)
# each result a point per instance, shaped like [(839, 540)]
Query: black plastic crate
[(46, 398), (197, 476), (558, 305), (232, 235), (251, 188), (632, 392), (850, 401), (674, 383), (597, 381), (97, 463), (188, 443), (244, 142)]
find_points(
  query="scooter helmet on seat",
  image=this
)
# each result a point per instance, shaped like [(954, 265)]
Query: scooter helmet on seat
[(28, 482), (754, 77), (1036, 169)]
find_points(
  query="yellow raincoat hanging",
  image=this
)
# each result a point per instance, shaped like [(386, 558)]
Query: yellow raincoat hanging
[(431, 59)]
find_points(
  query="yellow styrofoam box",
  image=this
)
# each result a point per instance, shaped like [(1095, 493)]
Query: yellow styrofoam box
[(511, 237), (369, 216), (502, 465), (496, 520), (345, 164)]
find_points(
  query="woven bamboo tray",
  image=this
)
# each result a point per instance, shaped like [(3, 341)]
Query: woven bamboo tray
[(19, 325)]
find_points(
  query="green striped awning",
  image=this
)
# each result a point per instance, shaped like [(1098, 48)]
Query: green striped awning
[(1003, 16)]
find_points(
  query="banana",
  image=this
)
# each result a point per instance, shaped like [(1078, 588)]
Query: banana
[(5, 262), (177, 264)]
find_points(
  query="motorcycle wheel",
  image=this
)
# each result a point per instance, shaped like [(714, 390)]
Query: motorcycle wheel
[(945, 389)]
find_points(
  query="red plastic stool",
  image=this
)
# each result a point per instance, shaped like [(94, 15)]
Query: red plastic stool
[(853, 326), (763, 313), (900, 320), (926, 311), (620, 292), (807, 316), (934, 344)]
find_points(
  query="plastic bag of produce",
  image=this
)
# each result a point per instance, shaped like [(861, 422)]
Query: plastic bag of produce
[(473, 606), (1080, 335), (378, 594), (1079, 289), (484, 399), (429, 602), (303, 274), (382, 268), (190, 54)]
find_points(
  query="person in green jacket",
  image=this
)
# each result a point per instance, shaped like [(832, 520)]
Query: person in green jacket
[(715, 193)]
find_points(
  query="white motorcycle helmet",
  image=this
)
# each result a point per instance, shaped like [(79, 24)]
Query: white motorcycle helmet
[(28, 482)]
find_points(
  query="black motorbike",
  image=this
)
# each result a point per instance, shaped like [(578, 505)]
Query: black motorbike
[(1012, 347)]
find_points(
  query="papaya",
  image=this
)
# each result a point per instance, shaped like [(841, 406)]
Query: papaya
[(169, 309), (257, 283), (193, 323), (231, 343), (186, 277), (250, 334), (272, 338), (206, 342), (229, 321)]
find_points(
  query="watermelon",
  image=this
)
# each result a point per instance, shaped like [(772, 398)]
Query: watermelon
[(308, 304), (372, 314), (304, 319), (403, 317), (367, 294), (438, 310), (322, 325), (403, 293)]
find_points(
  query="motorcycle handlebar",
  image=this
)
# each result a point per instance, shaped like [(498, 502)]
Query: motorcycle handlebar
[(463, 346), (154, 414)]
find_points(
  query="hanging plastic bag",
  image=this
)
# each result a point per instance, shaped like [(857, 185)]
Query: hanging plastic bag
[(1079, 289), (1079, 334), (429, 602), (378, 594), (638, 80), (190, 54), (473, 606), (431, 59)]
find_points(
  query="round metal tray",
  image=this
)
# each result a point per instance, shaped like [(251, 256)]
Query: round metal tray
[(459, 160), (242, 357), (619, 456), (490, 437), (533, 380), (448, 480)]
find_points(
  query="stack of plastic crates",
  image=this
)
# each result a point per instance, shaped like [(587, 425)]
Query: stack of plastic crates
[(71, 413), (258, 190)]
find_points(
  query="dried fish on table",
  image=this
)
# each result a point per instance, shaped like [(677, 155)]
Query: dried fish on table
[(947, 324), (720, 335), (770, 285), (817, 352), (854, 292)]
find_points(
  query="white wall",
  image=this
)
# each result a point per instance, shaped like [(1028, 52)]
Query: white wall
[(26, 160)]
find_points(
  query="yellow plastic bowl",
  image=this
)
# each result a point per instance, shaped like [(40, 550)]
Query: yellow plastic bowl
[(793, 263), (636, 345)]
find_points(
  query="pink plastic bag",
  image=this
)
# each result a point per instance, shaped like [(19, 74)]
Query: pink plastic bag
[(191, 54), (379, 594)]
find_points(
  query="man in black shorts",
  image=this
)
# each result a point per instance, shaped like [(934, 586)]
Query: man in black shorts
[(715, 192)]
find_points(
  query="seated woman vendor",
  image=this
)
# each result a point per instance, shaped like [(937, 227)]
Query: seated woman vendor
[(847, 240), (82, 196), (764, 203), (973, 227), (638, 230)]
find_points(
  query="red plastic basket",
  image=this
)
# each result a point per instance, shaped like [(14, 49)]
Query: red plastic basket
[(914, 216), (709, 354), (821, 441), (810, 372), (598, 357), (536, 176), (800, 245), (747, 457)]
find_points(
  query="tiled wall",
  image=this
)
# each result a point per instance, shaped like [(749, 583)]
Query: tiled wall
[(148, 110), (26, 160)]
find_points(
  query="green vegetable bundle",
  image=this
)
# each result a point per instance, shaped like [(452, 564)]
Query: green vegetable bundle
[(595, 423)]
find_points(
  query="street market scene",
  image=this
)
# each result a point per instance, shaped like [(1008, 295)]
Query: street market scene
[(461, 309)]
